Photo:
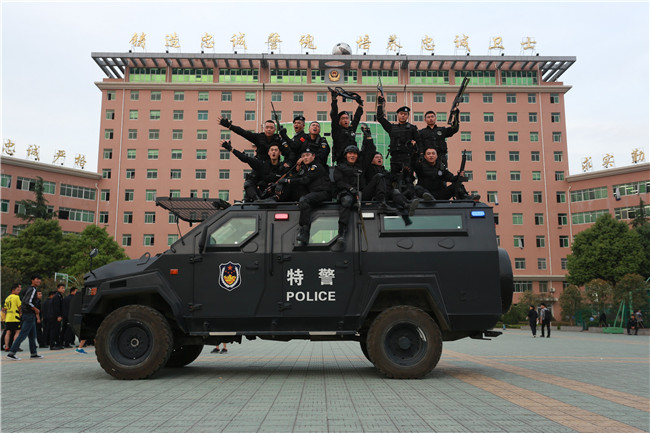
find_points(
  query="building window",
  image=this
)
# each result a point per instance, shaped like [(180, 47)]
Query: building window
[(532, 117), (80, 215), (154, 114), (224, 154), (224, 174), (249, 115), (555, 117), (110, 95), (513, 156), (555, 98), (154, 134), (469, 175), (171, 239), (224, 194), (172, 219), (105, 195), (6, 181), (441, 117), (491, 175), (468, 155), (128, 218), (515, 175), (563, 263), (537, 175), (418, 117), (496, 219), (539, 219), (517, 219), (534, 137), (560, 197), (106, 173), (128, 195), (175, 173), (226, 114), (110, 114), (559, 175), (562, 219), (512, 117), (204, 96), (179, 96), (203, 115), (391, 97), (287, 76), (205, 193), (152, 173), (126, 240), (515, 196), (488, 136), (133, 114), (558, 156), (192, 193), (417, 97), (322, 97), (177, 134), (133, 134), (298, 97), (201, 154), (511, 98), (490, 155), (200, 174), (518, 241), (488, 117), (156, 95), (532, 98), (202, 134), (5, 206), (321, 116), (466, 136), (174, 193), (152, 154), (226, 96), (520, 263), (108, 134), (225, 135), (150, 195), (371, 116), (487, 98), (249, 152), (564, 242), (540, 241), (557, 137), (179, 114), (541, 265), (148, 240), (276, 96), (249, 97), (441, 97), (177, 154), (534, 156), (108, 153), (492, 197), (513, 137), (150, 217)]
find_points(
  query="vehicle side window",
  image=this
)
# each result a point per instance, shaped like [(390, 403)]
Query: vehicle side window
[(234, 232), (424, 223), (323, 230)]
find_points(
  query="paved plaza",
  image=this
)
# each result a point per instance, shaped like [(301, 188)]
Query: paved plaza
[(515, 383)]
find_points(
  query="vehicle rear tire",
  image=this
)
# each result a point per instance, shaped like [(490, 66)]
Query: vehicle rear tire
[(184, 355), (404, 342), (133, 342)]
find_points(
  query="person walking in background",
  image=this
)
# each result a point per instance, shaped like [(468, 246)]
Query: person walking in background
[(30, 316), (12, 319), (602, 321), (545, 320), (639, 319), (67, 335), (532, 320)]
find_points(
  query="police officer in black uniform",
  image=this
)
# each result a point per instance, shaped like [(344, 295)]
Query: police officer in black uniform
[(349, 182), (343, 132), (299, 140), (309, 185), (261, 140), (265, 173), (317, 142), (403, 143), (433, 177), (436, 136)]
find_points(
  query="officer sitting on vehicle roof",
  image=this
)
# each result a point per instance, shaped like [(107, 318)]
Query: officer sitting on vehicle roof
[(265, 173), (297, 143), (343, 131), (349, 181), (261, 140), (309, 185), (433, 177), (316, 142)]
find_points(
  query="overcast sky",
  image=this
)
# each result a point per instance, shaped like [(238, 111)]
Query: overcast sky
[(49, 97)]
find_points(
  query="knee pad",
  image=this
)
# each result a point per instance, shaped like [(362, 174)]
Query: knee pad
[(347, 200)]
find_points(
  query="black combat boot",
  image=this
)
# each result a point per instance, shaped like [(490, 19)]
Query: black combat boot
[(427, 196), (413, 206), (339, 245), (303, 236)]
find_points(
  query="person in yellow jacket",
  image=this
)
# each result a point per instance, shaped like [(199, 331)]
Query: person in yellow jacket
[(12, 315)]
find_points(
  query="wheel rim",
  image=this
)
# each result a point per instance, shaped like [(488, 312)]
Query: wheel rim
[(405, 344), (131, 343)]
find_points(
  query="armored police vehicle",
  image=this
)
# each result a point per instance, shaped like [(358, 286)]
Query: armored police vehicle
[(399, 290)]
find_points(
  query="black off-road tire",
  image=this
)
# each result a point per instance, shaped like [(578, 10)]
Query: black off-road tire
[(404, 342), (364, 348), (184, 355), (133, 342)]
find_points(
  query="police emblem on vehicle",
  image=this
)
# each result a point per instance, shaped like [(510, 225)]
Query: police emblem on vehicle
[(229, 275)]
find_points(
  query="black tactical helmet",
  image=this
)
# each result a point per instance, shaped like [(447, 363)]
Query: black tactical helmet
[(351, 148)]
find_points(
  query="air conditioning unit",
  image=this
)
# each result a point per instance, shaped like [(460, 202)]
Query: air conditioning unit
[(552, 289)]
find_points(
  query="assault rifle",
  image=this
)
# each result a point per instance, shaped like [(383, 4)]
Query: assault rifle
[(276, 118), (380, 89), (458, 99), (462, 167), (345, 94)]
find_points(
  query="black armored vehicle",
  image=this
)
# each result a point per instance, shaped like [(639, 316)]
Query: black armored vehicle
[(399, 290)]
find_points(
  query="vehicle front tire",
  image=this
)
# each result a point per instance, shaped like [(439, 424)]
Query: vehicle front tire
[(184, 355), (404, 342), (133, 342), (364, 348)]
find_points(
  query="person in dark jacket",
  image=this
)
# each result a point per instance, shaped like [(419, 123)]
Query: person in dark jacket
[(349, 182), (532, 320), (54, 322), (343, 131), (403, 143), (545, 320), (436, 136), (308, 184), (632, 324), (317, 142), (433, 177), (67, 335), (29, 316), (299, 140), (261, 140)]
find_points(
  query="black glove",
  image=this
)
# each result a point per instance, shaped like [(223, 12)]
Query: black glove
[(456, 112), (225, 122), (334, 95), (381, 99), (353, 191), (282, 130), (359, 100), (283, 181), (226, 145), (365, 130)]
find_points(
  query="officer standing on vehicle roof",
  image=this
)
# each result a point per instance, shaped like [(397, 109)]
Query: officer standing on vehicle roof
[(343, 132), (433, 177), (261, 140), (309, 185), (403, 142), (436, 136)]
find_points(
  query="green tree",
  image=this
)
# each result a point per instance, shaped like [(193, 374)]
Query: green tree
[(35, 209), (81, 244), (607, 250), (599, 292), (641, 217), (40, 248), (633, 285), (571, 301), (9, 277), (644, 238)]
